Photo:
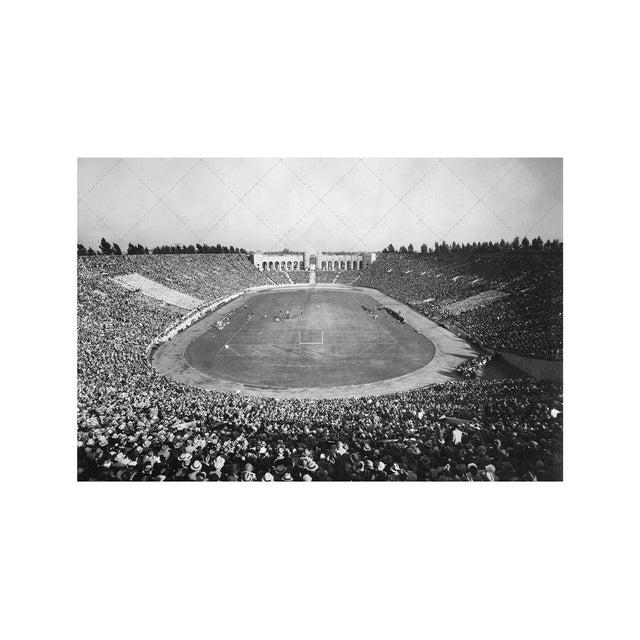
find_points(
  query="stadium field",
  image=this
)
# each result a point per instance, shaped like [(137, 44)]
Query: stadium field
[(313, 342), (309, 338)]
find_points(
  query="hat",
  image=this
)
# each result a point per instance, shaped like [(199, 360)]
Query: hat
[(267, 477), (321, 474), (306, 477), (312, 465), (280, 469), (287, 477)]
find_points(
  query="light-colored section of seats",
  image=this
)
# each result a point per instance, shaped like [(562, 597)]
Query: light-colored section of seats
[(136, 282), (475, 302)]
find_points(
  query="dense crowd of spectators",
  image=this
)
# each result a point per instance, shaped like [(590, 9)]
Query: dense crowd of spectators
[(299, 277), (522, 309), (338, 277), (325, 277), (277, 277), (470, 369), (205, 276), (135, 424)]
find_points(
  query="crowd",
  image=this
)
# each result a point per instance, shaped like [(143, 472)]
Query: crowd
[(472, 368), (135, 424), (205, 276), (517, 297), (299, 277), (277, 277)]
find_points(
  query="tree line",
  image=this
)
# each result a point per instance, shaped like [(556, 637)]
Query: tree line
[(537, 244), (105, 248)]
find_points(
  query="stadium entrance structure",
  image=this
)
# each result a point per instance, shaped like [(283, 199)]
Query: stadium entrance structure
[(314, 259)]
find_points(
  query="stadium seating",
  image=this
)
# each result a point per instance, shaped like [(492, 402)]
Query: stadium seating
[(206, 276), (299, 277), (509, 301), (135, 424), (325, 277)]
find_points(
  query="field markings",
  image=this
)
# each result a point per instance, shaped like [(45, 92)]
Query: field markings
[(261, 350), (389, 334), (240, 329), (352, 314)]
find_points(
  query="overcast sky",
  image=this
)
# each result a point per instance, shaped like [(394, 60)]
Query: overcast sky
[(337, 204)]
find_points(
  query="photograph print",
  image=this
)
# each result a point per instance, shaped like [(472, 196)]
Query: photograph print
[(320, 320)]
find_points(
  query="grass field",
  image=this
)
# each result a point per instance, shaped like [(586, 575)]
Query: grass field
[(329, 341)]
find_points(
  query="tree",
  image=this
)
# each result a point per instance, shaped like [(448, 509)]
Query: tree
[(81, 250), (91, 252), (391, 249), (403, 249), (116, 250), (525, 243), (424, 248), (515, 243), (105, 248), (410, 248)]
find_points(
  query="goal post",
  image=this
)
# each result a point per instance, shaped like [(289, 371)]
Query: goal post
[(301, 343)]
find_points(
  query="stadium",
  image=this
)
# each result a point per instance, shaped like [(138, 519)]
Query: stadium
[(215, 363)]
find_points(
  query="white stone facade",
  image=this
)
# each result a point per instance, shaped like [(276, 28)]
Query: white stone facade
[(312, 260)]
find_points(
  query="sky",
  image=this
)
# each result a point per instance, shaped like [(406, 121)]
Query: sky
[(339, 204)]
